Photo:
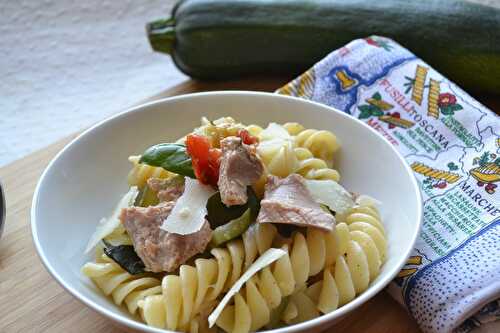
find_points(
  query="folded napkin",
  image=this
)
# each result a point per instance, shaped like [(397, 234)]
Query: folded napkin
[(451, 282)]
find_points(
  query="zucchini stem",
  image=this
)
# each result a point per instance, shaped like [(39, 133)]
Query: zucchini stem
[(161, 34)]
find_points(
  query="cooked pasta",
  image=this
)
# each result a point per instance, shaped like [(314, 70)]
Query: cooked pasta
[(306, 308), (306, 257), (278, 156), (255, 130), (113, 281), (217, 262), (312, 167), (348, 258), (323, 144), (293, 128), (153, 312), (184, 294), (218, 129), (140, 172)]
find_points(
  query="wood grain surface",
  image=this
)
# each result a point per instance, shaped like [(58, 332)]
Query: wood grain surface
[(31, 301)]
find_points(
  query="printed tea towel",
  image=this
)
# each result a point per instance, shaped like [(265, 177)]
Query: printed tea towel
[(451, 282)]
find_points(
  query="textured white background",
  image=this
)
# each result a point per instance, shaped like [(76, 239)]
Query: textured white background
[(67, 64)]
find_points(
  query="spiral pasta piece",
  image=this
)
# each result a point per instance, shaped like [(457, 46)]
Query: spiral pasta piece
[(306, 256), (348, 259), (254, 130), (185, 294), (366, 218), (278, 157), (322, 144), (311, 167), (293, 128), (362, 248), (123, 287), (140, 172)]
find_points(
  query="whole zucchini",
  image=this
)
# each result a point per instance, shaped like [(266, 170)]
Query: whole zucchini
[(219, 39)]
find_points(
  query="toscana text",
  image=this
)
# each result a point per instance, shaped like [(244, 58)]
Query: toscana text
[(405, 104)]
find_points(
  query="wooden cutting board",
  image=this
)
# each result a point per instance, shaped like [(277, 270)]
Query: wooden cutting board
[(31, 301)]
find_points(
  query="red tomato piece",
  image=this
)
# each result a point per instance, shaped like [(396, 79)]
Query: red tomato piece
[(205, 160), (246, 137), (214, 155), (197, 147)]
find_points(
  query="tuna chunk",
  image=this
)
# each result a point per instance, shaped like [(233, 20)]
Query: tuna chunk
[(288, 201), (240, 166), (167, 189), (160, 250)]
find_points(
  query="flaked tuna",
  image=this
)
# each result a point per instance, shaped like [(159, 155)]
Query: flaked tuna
[(240, 166), (169, 189), (160, 250), (288, 201)]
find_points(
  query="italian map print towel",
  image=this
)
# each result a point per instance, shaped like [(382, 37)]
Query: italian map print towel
[(452, 280)]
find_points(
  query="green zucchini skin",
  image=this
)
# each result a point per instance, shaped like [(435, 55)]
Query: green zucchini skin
[(221, 39)]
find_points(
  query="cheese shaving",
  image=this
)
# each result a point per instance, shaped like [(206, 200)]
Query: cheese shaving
[(264, 260), (188, 214), (108, 225)]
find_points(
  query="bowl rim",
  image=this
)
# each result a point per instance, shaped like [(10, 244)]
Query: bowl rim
[(320, 321)]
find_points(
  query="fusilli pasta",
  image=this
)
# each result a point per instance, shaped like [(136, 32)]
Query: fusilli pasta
[(140, 173), (311, 167), (278, 157), (185, 294), (293, 128), (321, 270), (218, 129), (322, 144), (254, 130), (349, 258), (122, 286), (307, 152)]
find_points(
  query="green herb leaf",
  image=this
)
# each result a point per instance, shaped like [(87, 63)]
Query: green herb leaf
[(172, 157), (219, 214), (125, 256), (377, 96), (456, 107)]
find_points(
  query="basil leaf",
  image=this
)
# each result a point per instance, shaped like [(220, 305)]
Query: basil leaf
[(172, 157), (219, 214), (126, 257)]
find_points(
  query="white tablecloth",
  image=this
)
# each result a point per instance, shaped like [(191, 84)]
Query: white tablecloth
[(67, 64)]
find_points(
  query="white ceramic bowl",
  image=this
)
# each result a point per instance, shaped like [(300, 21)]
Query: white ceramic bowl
[(84, 181)]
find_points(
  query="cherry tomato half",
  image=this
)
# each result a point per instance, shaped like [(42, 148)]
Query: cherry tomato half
[(246, 137), (205, 160)]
